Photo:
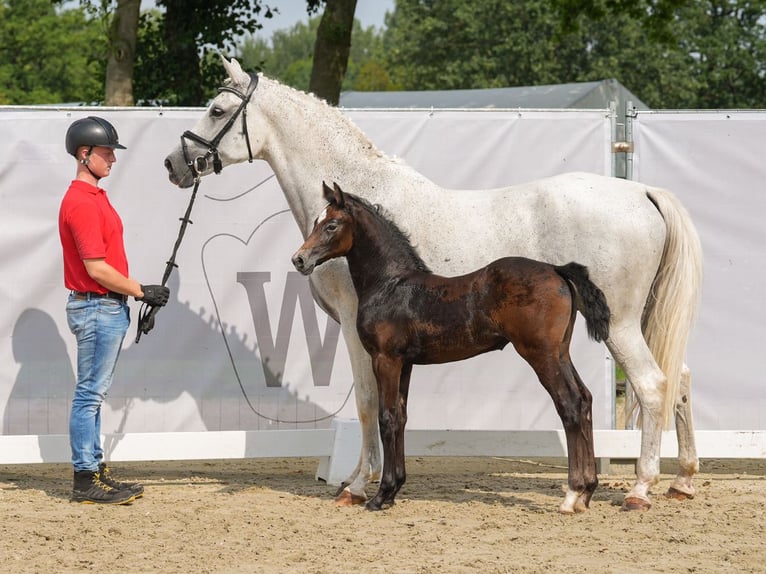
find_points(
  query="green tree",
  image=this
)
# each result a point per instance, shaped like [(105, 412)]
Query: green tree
[(726, 40), (704, 54), (48, 55), (289, 58), (331, 50), (452, 44), (123, 33)]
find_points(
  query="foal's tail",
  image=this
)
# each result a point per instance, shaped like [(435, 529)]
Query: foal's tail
[(673, 300), (590, 300)]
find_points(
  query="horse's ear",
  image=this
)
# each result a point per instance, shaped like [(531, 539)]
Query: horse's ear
[(235, 71), (338, 195), (327, 193)]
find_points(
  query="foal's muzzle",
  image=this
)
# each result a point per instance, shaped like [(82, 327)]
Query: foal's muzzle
[(301, 264)]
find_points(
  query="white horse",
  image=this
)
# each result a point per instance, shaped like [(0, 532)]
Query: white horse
[(638, 243)]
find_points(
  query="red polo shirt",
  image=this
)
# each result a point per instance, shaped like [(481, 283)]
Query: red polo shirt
[(89, 228)]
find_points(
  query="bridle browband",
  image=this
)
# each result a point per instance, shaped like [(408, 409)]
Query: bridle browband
[(199, 163)]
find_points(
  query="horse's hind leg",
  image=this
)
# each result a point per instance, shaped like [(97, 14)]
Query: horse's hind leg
[(573, 402), (576, 413), (400, 471), (688, 463), (629, 348)]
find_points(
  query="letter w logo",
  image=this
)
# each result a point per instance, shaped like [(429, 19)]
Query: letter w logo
[(274, 351)]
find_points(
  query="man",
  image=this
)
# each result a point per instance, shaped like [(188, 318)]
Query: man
[(96, 273)]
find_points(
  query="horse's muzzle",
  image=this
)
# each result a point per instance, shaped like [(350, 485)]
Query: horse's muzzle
[(301, 265), (182, 178)]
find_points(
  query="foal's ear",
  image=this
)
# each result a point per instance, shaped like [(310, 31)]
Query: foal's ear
[(337, 196), (328, 193)]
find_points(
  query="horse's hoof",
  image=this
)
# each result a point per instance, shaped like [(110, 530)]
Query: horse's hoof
[(343, 486), (635, 503), (348, 498), (374, 506), (578, 508), (676, 494)]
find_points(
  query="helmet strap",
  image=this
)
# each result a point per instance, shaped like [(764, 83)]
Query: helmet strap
[(86, 160)]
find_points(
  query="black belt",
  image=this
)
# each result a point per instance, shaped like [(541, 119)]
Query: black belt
[(88, 295)]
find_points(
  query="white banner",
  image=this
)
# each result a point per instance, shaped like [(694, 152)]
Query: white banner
[(241, 345), (714, 162)]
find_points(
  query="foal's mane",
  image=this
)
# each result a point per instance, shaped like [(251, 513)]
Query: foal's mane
[(397, 243)]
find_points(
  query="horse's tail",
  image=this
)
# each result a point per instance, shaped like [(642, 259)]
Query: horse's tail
[(590, 300), (674, 298)]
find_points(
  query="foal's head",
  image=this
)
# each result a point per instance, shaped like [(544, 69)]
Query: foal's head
[(332, 235), (349, 220)]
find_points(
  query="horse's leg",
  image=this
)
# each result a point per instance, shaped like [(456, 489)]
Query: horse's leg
[(404, 389), (584, 466), (629, 349), (688, 463), (352, 490), (574, 404), (388, 372)]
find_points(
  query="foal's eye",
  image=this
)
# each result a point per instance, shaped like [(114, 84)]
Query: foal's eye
[(216, 112), (331, 227)]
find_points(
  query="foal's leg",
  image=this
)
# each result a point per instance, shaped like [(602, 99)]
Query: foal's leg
[(688, 463), (573, 402), (404, 390), (583, 474), (388, 372), (629, 348)]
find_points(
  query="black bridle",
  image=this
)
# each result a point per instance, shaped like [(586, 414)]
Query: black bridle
[(199, 163)]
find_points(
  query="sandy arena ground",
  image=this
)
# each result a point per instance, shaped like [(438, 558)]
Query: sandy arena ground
[(461, 515)]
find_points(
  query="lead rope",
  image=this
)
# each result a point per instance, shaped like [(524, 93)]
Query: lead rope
[(147, 312)]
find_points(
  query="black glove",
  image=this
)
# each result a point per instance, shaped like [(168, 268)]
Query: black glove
[(154, 295)]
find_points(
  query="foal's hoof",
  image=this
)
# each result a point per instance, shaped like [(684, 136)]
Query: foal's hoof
[(575, 502), (676, 494), (347, 498), (635, 503)]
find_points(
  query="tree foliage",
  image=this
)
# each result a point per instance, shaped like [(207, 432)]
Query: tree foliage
[(289, 57), (49, 56), (177, 49), (670, 53), (693, 54)]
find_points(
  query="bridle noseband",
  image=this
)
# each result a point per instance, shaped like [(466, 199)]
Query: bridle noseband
[(199, 163)]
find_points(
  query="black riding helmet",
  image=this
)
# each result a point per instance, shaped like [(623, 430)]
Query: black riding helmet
[(91, 131)]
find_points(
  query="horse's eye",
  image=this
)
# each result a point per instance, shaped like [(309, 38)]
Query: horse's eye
[(216, 112), (331, 227)]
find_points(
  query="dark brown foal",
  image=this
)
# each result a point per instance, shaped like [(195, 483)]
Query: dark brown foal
[(407, 316)]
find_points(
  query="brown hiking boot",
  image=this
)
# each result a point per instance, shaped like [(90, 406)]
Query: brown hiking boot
[(104, 473), (89, 489)]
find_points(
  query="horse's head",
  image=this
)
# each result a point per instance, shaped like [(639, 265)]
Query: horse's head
[(218, 139), (332, 235)]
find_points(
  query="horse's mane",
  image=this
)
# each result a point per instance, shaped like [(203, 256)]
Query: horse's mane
[(401, 243), (323, 108)]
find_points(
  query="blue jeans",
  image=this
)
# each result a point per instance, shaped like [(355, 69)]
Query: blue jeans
[(99, 326)]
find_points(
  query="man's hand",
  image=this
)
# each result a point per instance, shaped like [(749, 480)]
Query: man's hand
[(154, 295)]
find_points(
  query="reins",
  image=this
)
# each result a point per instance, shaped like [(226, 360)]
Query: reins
[(147, 312), (197, 165)]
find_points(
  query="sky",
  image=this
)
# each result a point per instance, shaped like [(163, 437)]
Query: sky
[(368, 12)]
